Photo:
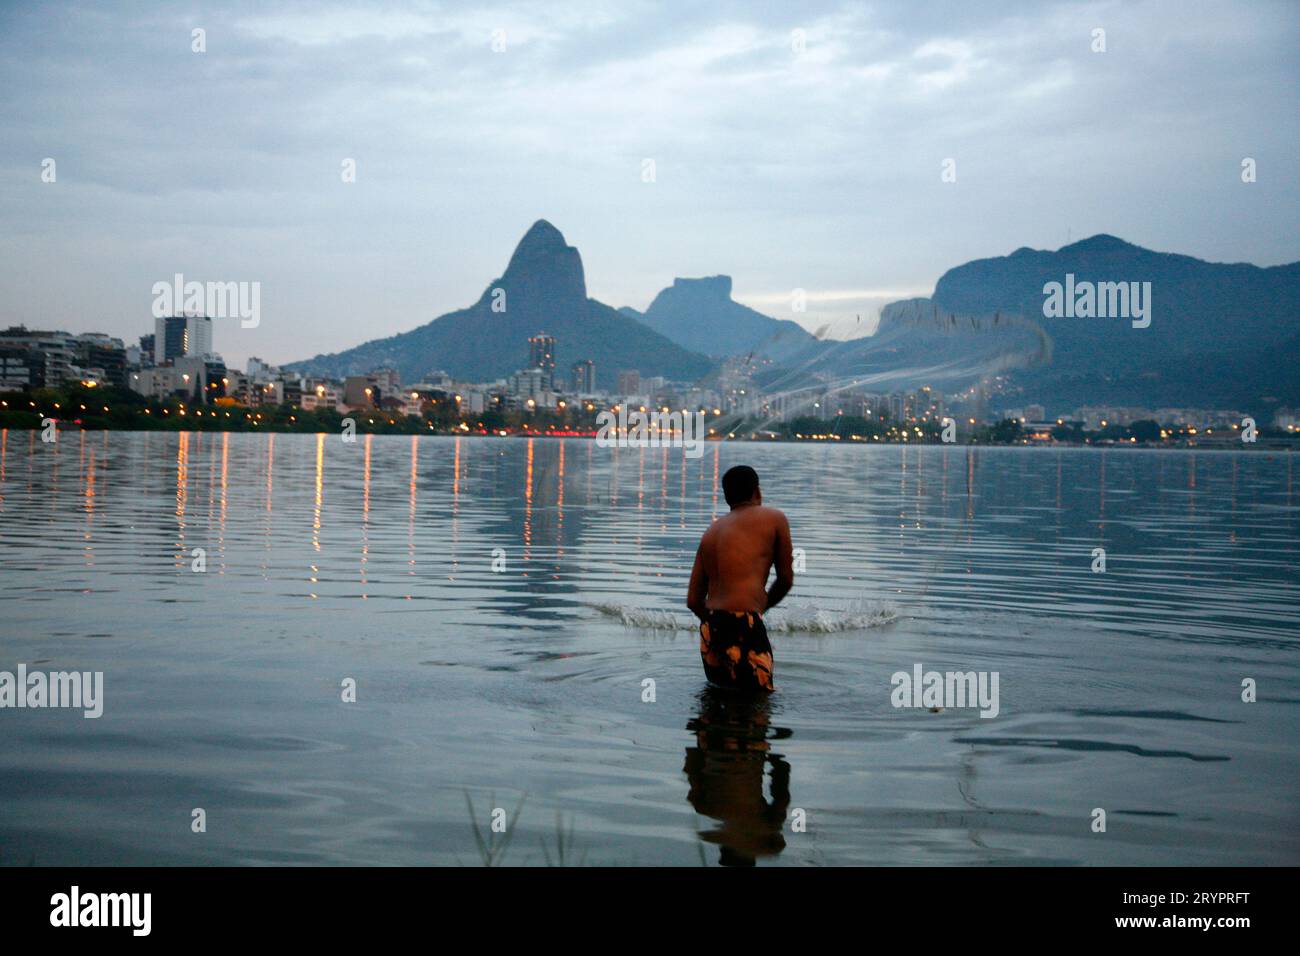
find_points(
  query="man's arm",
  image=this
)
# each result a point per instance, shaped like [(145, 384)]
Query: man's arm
[(698, 591), (783, 560)]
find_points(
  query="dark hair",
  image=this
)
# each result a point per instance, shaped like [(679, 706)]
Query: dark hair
[(738, 484)]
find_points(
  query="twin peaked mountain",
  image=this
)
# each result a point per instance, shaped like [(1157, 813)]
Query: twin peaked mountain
[(1221, 335), (543, 290)]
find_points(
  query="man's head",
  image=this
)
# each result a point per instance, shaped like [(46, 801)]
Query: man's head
[(740, 486)]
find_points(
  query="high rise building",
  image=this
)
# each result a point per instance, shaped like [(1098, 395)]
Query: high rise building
[(178, 335), (168, 338), (541, 354), (583, 377)]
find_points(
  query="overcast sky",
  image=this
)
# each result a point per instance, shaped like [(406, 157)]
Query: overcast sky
[(815, 168)]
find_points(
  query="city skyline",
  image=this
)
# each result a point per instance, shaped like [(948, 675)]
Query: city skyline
[(43, 364)]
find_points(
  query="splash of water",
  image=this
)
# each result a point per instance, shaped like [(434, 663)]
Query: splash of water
[(796, 619)]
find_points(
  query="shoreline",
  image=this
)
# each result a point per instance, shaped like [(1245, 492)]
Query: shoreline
[(1263, 444)]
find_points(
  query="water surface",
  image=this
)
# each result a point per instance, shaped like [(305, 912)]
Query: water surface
[(501, 605)]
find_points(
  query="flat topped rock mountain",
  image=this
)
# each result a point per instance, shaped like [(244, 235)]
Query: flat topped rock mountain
[(701, 315)]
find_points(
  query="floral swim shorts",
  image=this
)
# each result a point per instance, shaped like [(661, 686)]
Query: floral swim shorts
[(735, 650)]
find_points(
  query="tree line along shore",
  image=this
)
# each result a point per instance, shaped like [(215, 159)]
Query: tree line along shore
[(106, 408)]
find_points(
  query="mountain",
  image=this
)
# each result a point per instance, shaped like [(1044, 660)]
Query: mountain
[(916, 343), (543, 289), (700, 315), (1220, 335)]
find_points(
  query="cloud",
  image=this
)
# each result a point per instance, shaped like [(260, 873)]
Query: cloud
[(785, 159)]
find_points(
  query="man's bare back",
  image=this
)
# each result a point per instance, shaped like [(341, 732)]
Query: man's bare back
[(734, 558), (728, 590)]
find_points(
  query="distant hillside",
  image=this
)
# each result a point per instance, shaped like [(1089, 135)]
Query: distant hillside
[(700, 315), (1218, 331), (916, 344), (1220, 335), (543, 290)]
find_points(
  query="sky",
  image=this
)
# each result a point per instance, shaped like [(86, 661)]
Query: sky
[(794, 146)]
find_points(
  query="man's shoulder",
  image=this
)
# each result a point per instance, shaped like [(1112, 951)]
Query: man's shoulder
[(766, 516)]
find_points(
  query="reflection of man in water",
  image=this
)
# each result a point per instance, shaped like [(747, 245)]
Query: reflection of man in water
[(728, 590), (725, 770)]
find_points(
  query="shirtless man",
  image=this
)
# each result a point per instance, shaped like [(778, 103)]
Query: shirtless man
[(728, 590)]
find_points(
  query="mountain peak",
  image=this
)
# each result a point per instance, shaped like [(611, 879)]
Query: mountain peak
[(545, 270), (701, 315), (1102, 242), (543, 287), (542, 235), (713, 287)]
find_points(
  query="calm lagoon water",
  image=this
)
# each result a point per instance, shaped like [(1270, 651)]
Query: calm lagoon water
[(522, 688)]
